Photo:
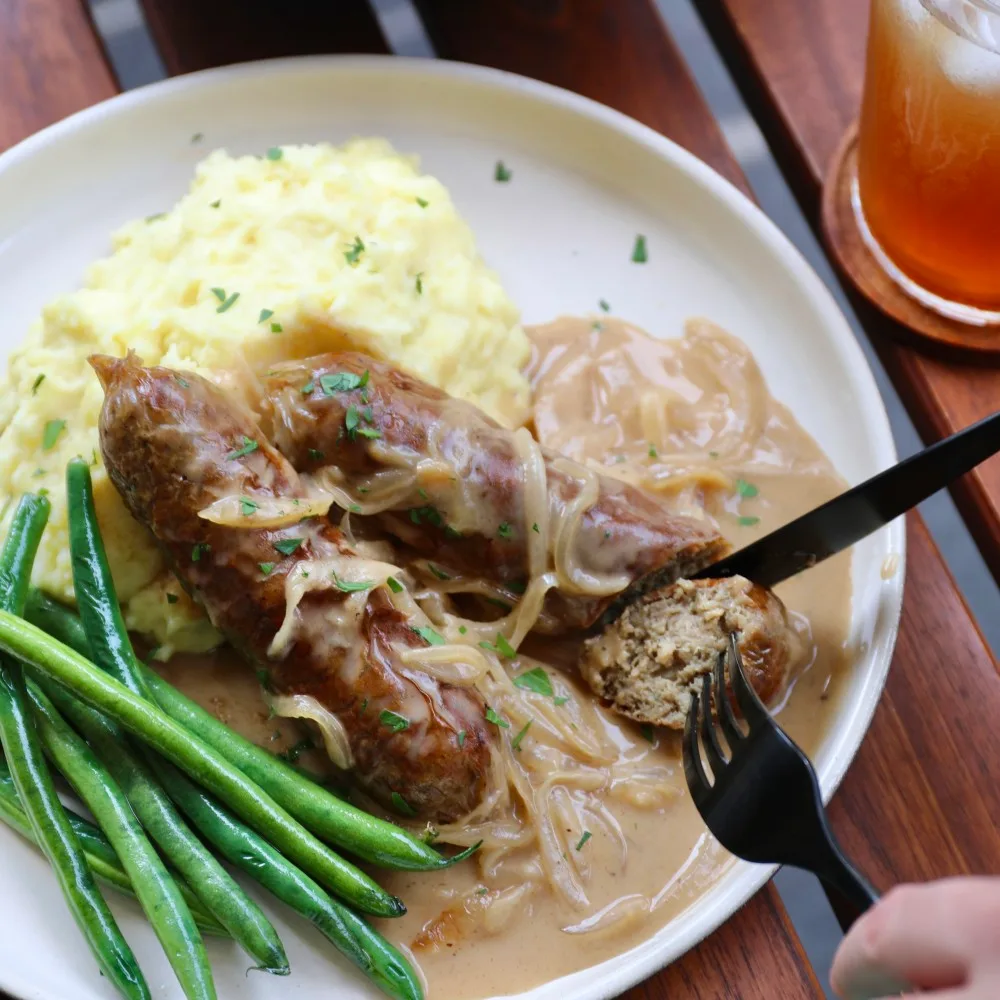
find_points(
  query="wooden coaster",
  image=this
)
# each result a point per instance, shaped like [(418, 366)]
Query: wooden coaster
[(847, 246)]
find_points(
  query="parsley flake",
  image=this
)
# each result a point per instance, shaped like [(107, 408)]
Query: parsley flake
[(420, 283), (315, 455), (438, 572), (505, 531), (248, 506), (267, 568), (397, 723), (156, 216), (197, 137), (401, 805), (199, 550), (394, 585), (560, 701), (172, 598), (219, 293), (292, 754), (583, 840), (653, 453), (639, 253), (353, 255), (286, 546), (536, 680), (746, 489), (422, 202), (352, 586), (492, 716), (215, 204), (429, 635), (264, 315), (605, 306), (747, 522), (53, 428), (428, 514), (275, 153), (38, 381), (461, 737), (248, 447), (713, 454), (228, 303), (516, 741), (502, 174), (276, 328), (535, 528), (181, 381), (648, 733), (343, 382), (462, 629)]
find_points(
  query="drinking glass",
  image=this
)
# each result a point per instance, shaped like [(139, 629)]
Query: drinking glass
[(927, 192)]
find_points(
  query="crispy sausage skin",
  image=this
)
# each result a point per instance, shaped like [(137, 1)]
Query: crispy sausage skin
[(465, 502), (173, 444)]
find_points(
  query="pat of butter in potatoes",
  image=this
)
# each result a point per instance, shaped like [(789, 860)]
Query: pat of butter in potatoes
[(302, 250)]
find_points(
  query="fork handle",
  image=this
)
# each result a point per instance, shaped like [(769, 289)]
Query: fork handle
[(849, 885)]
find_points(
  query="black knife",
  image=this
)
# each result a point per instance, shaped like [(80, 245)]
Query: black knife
[(853, 515)]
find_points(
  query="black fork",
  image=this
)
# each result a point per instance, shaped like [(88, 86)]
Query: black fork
[(764, 804)]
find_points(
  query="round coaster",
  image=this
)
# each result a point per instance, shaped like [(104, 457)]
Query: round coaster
[(847, 246)]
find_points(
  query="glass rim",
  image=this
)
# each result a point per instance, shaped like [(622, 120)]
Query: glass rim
[(977, 21)]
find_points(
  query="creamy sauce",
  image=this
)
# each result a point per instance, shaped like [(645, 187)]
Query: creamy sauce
[(692, 421)]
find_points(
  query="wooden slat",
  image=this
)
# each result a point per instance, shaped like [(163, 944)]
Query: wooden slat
[(198, 34), (800, 68), (51, 64), (615, 51), (754, 956)]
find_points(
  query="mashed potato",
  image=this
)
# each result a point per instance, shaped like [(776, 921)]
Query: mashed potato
[(299, 251)]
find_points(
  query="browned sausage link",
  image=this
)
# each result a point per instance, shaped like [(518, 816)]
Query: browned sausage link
[(466, 505), (173, 444)]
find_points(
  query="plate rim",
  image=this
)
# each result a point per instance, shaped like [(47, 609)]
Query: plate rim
[(746, 879)]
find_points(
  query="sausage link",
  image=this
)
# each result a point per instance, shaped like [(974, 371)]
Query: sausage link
[(173, 444)]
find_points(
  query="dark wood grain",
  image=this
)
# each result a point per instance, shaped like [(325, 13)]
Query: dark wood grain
[(51, 64), (199, 34), (615, 51), (756, 955), (800, 67)]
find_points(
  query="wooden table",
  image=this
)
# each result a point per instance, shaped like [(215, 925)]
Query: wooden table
[(923, 795)]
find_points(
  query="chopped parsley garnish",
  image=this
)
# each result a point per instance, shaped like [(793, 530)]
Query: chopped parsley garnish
[(501, 646), (219, 293), (607, 534), (364, 706), (155, 216), (516, 741), (482, 890), (38, 381), (648, 733), (462, 629), (653, 453), (353, 255), (422, 493), (492, 716), (583, 840), (308, 387), (605, 305), (746, 521), (172, 598), (502, 173), (351, 420), (422, 202), (597, 325), (249, 445), (401, 805), (713, 454), (560, 700), (536, 680), (267, 568), (370, 432), (461, 737), (420, 283), (286, 546), (248, 506), (197, 137), (315, 455), (216, 203), (199, 550), (518, 586), (429, 635), (229, 301), (343, 382), (355, 508), (276, 328), (505, 530), (450, 532), (535, 527), (397, 723), (438, 572), (264, 315), (352, 586), (394, 585), (264, 679), (53, 428), (182, 382), (418, 515), (746, 489), (639, 253), (275, 153), (619, 459), (293, 753)]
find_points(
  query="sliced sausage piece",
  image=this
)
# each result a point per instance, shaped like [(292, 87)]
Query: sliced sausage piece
[(651, 660), (174, 444), (451, 483)]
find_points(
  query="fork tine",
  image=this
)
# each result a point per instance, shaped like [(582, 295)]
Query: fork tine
[(713, 751), (752, 707), (727, 718), (694, 770)]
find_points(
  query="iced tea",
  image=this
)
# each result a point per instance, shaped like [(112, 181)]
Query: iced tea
[(929, 148)]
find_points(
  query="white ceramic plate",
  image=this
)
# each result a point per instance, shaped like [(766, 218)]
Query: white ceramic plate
[(586, 181)]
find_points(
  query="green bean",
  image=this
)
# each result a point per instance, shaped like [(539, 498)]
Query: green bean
[(33, 781), (327, 816), (97, 849), (156, 890), (108, 639), (216, 888), (361, 944), (47, 657)]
